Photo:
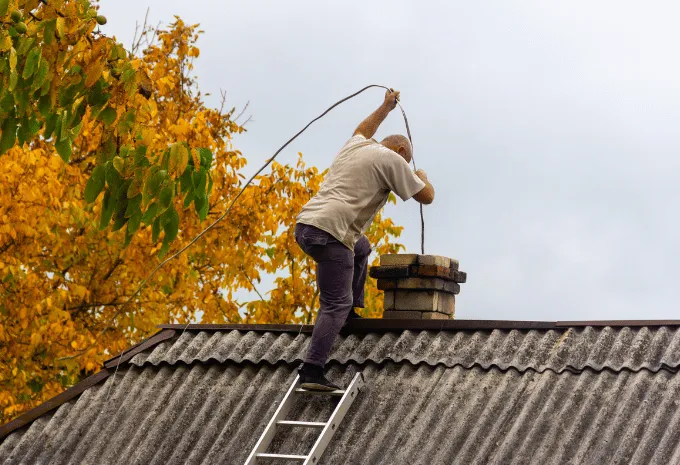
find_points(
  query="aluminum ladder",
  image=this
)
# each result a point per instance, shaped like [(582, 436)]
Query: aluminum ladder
[(259, 454)]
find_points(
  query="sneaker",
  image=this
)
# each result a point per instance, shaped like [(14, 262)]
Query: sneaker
[(312, 379)]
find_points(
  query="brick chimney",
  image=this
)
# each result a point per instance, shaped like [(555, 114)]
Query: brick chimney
[(418, 286)]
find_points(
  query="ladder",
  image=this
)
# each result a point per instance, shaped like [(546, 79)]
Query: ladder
[(328, 428)]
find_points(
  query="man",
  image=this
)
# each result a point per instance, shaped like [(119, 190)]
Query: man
[(330, 227)]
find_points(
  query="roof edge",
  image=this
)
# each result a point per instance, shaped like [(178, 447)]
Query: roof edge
[(77, 389), (53, 403), (380, 325)]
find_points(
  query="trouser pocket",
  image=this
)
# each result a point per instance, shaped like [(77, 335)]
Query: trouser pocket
[(310, 239)]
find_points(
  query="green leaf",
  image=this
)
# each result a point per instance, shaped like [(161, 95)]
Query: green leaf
[(155, 229), (107, 115), (134, 188), (188, 199), (40, 76), (7, 102), (22, 132), (126, 121), (33, 126), (50, 125), (128, 76), (185, 180), (134, 222), (199, 180), (32, 62), (119, 220), (107, 209), (44, 105), (206, 157), (166, 196), (49, 28), (4, 4), (150, 213), (153, 183), (140, 155), (171, 226), (112, 177), (25, 44), (75, 130), (64, 149), (9, 135), (95, 184), (96, 95), (128, 237), (133, 206), (201, 205), (164, 249)]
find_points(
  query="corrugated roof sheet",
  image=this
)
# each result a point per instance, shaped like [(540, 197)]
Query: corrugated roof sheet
[(548, 396), (571, 349), (206, 414)]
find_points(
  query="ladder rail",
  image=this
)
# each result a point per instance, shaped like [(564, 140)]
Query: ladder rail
[(338, 414), (270, 430)]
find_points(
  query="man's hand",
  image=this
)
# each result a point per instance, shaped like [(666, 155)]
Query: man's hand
[(426, 195), (421, 174), (391, 99), (369, 126)]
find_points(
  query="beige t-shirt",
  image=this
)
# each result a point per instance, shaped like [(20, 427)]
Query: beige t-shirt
[(356, 187)]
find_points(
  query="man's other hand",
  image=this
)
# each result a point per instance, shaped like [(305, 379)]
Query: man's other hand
[(391, 99), (421, 174)]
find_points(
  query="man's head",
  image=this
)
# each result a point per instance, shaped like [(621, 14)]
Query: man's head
[(400, 144)]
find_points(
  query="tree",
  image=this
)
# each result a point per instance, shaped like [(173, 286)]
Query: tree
[(78, 233)]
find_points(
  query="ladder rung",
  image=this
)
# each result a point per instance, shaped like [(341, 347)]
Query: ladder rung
[(336, 393), (299, 458), (305, 424)]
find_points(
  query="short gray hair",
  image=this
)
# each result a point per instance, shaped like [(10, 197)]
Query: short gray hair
[(397, 140)]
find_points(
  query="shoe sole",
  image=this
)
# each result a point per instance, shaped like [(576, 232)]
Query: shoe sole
[(317, 387)]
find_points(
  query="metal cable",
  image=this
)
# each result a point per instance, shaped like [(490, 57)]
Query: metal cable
[(413, 159), (223, 215)]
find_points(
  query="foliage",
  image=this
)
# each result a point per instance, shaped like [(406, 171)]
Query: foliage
[(59, 76), (62, 278)]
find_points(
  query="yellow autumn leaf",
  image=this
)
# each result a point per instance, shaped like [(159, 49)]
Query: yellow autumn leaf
[(173, 157), (61, 27), (147, 136), (93, 72), (12, 59), (196, 158), (183, 159)]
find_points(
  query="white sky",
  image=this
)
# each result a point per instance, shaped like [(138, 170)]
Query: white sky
[(549, 130)]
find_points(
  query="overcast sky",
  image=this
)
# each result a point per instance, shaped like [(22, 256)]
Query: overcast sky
[(550, 131)]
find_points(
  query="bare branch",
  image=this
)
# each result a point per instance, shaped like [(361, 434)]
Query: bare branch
[(242, 111), (252, 284)]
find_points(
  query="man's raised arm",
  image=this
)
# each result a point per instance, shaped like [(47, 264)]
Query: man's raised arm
[(369, 126)]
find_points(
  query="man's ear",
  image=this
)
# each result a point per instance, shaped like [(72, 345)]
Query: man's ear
[(401, 150)]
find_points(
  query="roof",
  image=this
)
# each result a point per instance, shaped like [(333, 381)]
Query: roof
[(454, 392)]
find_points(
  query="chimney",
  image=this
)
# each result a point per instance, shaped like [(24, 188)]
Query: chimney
[(418, 286)]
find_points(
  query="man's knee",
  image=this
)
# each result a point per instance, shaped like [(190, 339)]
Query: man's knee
[(362, 247)]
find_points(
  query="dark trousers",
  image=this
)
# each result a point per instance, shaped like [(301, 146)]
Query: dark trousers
[(341, 276)]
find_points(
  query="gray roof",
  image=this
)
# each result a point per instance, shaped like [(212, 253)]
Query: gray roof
[(576, 394)]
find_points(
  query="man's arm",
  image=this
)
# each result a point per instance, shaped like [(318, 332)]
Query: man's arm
[(369, 126), (426, 194)]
